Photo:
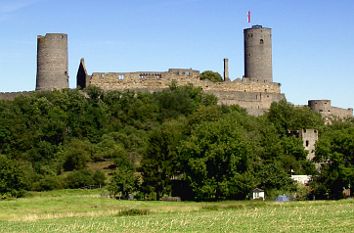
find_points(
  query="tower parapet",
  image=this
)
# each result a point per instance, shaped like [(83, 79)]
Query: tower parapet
[(328, 112), (258, 54), (52, 62), (320, 106)]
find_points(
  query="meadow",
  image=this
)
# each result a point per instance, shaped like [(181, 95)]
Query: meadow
[(90, 211)]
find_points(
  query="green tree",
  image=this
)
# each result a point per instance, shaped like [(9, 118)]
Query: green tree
[(211, 76), (123, 183), (286, 116), (80, 179), (216, 159), (124, 180), (335, 153), (76, 155), (160, 162), (182, 100), (12, 180)]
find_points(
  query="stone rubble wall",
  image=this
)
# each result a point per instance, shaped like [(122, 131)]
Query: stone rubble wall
[(128, 81), (255, 97), (13, 95), (342, 112)]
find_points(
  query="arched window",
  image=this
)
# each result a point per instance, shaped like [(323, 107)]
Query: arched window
[(261, 41)]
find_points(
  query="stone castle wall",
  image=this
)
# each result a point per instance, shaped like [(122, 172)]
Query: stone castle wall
[(162, 80), (13, 95), (328, 112), (255, 97)]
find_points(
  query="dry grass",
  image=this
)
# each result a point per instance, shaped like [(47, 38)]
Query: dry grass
[(87, 211)]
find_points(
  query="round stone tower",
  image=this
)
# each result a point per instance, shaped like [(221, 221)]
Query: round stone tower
[(258, 53), (52, 62), (321, 106)]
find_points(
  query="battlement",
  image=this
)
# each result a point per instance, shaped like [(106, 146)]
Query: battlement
[(53, 36)]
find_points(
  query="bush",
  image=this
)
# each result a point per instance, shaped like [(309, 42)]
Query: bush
[(12, 179), (76, 155), (133, 212), (48, 183), (99, 178), (85, 179), (122, 183), (211, 75), (79, 179)]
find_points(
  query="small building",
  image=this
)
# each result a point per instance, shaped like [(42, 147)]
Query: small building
[(302, 179), (258, 194)]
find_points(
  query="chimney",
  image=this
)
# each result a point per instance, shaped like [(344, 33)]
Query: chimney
[(226, 70)]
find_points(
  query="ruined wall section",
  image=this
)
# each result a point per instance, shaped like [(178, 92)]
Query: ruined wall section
[(82, 77), (341, 112), (13, 95), (256, 103), (256, 97), (162, 80), (309, 138), (328, 112)]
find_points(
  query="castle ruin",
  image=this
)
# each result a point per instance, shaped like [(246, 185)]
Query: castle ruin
[(255, 92), (328, 112)]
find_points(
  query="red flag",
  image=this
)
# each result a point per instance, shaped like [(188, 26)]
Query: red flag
[(249, 16)]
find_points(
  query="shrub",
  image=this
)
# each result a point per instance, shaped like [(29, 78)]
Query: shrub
[(12, 179), (48, 183), (79, 179), (133, 212), (99, 178), (211, 75)]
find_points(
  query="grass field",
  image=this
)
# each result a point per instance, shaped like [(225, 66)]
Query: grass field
[(88, 211)]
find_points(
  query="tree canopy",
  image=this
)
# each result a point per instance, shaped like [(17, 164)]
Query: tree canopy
[(174, 142), (211, 76)]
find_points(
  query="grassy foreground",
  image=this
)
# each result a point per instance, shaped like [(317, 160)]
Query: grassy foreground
[(88, 211)]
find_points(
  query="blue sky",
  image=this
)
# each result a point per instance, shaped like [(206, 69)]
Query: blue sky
[(313, 46)]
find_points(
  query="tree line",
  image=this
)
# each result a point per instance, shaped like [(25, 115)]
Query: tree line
[(177, 142)]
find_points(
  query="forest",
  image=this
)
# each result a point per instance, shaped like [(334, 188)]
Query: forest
[(177, 142)]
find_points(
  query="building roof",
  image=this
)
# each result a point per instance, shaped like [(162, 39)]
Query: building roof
[(257, 190)]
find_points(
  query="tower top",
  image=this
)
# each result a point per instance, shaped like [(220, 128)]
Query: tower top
[(257, 26)]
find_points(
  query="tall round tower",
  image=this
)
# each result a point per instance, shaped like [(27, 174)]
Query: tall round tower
[(258, 53), (52, 62)]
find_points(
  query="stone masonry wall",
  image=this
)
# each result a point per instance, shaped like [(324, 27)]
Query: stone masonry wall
[(256, 97), (136, 80), (328, 112), (13, 95), (309, 138)]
